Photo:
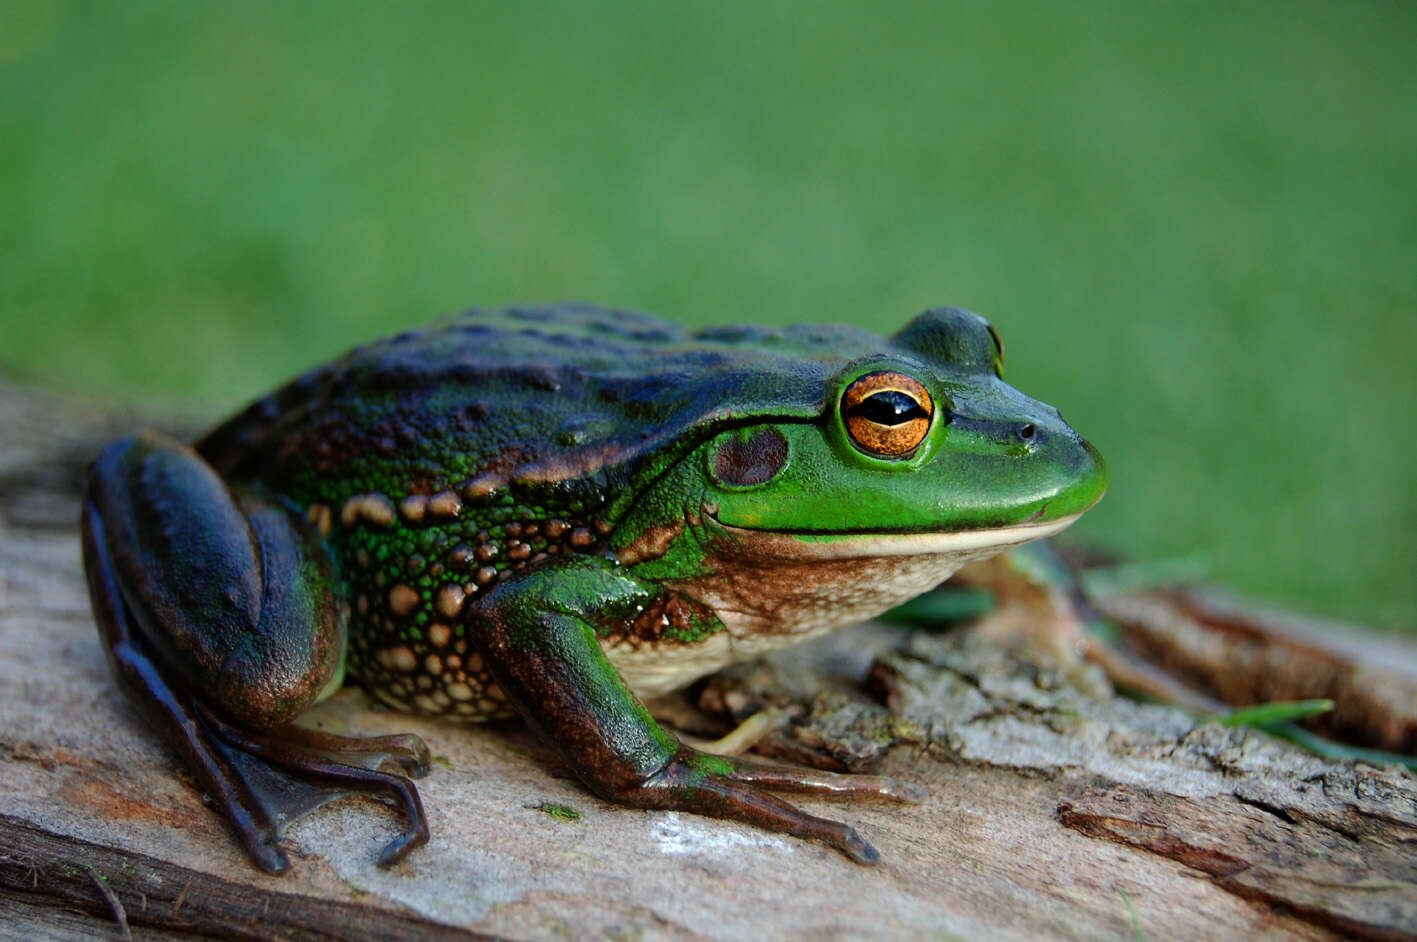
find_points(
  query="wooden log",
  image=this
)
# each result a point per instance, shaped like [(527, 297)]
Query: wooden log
[(1055, 810)]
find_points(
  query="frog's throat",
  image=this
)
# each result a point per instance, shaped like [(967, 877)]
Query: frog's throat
[(773, 589)]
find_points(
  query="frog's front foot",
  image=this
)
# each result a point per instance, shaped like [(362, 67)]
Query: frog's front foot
[(535, 636), (219, 614)]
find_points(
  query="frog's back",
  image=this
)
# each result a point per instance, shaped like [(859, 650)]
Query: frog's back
[(524, 395)]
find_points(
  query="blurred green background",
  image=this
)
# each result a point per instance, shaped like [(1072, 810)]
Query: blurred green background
[(1194, 224)]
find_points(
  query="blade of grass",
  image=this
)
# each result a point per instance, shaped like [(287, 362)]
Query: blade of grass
[(1280, 711)]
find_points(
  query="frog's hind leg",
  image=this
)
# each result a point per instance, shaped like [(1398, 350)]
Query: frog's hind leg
[(221, 619)]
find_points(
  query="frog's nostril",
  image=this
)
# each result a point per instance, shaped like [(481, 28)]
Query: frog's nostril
[(1026, 432)]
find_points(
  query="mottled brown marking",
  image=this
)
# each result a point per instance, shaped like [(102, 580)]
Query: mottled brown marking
[(323, 517), (449, 600), (485, 575), (565, 465), (581, 537), (403, 599), (371, 508), (665, 612), (555, 528), (402, 659), (518, 550), (439, 634), (460, 555), (433, 665), (651, 544), (377, 510), (486, 552), (413, 508), (483, 486), (445, 504)]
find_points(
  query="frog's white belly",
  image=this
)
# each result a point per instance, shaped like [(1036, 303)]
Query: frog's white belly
[(778, 590)]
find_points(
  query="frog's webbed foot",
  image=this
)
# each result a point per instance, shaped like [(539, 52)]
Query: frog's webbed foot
[(291, 775), (720, 788), (220, 618)]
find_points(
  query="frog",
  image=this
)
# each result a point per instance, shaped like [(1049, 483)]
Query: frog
[(553, 512)]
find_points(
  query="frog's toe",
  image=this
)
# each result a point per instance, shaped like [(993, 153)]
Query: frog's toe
[(399, 848), (267, 856), (404, 751), (856, 847), (814, 781), (909, 792)]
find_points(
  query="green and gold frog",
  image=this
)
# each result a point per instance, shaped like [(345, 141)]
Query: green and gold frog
[(548, 512)]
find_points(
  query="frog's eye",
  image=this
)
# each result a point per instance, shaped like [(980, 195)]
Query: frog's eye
[(887, 414)]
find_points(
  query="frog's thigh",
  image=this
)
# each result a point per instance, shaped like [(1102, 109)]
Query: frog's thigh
[(234, 594)]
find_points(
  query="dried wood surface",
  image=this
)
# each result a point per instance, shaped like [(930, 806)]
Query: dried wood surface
[(1054, 810)]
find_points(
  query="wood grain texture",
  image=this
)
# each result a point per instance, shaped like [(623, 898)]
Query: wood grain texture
[(1050, 806)]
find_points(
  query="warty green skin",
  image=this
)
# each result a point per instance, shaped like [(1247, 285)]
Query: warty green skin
[(540, 511)]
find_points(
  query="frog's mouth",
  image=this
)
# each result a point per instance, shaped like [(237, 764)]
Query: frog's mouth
[(771, 588), (867, 544)]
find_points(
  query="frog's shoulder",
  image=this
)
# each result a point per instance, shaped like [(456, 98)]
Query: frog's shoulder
[(534, 393)]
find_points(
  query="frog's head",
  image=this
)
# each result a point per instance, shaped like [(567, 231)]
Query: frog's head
[(920, 444), (834, 486)]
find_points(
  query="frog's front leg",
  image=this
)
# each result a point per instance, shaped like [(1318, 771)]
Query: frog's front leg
[(220, 614), (537, 633)]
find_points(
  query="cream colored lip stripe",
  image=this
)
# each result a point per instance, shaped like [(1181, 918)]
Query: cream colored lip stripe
[(907, 544)]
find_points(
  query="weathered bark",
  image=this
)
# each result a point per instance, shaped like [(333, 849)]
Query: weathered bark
[(1053, 811)]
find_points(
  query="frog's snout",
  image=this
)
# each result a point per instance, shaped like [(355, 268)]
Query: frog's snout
[(1092, 474)]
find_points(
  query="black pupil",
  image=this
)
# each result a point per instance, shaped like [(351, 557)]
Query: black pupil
[(890, 407)]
